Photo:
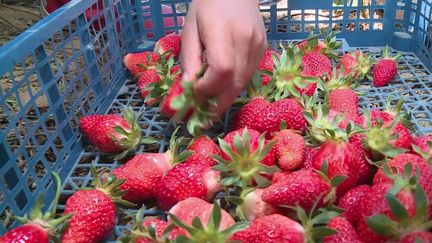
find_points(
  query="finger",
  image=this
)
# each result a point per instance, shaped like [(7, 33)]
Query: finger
[(220, 58), (191, 48)]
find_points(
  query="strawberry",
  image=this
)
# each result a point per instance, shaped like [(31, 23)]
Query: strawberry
[(356, 63), (385, 69), (376, 203), (365, 169), (342, 161), (267, 64), (169, 45), (316, 65), (389, 138), (419, 236), (272, 228), (326, 46), (174, 91), (302, 187), (280, 176), (144, 171), (249, 114), (147, 77), (288, 111), (289, 149), (398, 164), (150, 230), (252, 205), (345, 232), (344, 100), (310, 46), (288, 77), (340, 94), (94, 211), (350, 202), (422, 145), (187, 180), (112, 133), (200, 221), (246, 157), (38, 227), (202, 149), (137, 63), (309, 153)]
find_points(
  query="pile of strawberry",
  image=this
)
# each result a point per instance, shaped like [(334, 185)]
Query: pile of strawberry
[(301, 162)]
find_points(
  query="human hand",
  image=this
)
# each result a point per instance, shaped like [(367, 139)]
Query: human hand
[(233, 35)]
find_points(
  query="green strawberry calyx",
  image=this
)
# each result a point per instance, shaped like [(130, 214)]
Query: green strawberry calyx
[(323, 127), (198, 232), (287, 75), (110, 186), (129, 138), (49, 220), (379, 138), (243, 167)]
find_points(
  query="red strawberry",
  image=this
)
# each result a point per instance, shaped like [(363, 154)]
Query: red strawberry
[(253, 206), (27, 233), (250, 114), (316, 65), (247, 157), (146, 78), (289, 80), (419, 236), (289, 149), (399, 162), (385, 70), (187, 180), (272, 228), (375, 203), (159, 226), (112, 133), (356, 63), (254, 142), (94, 211), (357, 141), (284, 110), (345, 232), (342, 161), (309, 153), (141, 233), (174, 91), (141, 175), (189, 208), (309, 90), (308, 46), (350, 202), (344, 100), (202, 150), (280, 176), (302, 187), (133, 61), (267, 64), (169, 43), (38, 227), (421, 145)]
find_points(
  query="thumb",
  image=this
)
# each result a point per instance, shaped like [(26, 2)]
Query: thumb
[(191, 49)]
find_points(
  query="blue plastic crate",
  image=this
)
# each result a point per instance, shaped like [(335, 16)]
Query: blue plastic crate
[(70, 64)]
